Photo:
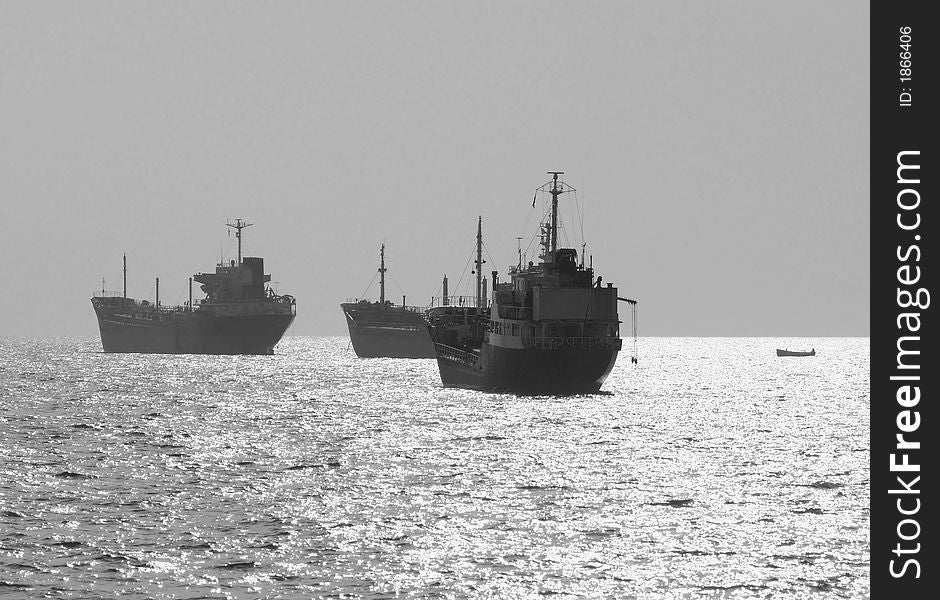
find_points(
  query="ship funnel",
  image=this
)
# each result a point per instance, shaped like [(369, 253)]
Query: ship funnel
[(255, 266), (446, 299)]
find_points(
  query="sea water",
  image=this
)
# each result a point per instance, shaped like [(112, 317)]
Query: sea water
[(711, 468)]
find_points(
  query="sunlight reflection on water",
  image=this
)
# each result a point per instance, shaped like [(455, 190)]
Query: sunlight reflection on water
[(711, 468)]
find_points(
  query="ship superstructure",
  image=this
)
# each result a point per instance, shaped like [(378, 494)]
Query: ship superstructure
[(386, 330), (552, 328), (240, 313)]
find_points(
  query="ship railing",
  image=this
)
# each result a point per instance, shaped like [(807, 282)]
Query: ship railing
[(586, 342), (147, 311), (455, 319), (150, 312), (456, 354), (115, 301), (172, 310), (458, 301), (147, 307), (515, 312), (408, 307), (142, 310), (392, 325), (239, 308)]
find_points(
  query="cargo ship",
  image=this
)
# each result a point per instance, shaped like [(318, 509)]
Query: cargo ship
[(550, 329), (240, 314), (385, 330)]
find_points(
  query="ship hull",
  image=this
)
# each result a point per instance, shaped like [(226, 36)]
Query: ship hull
[(390, 342), (399, 335), (530, 370), (192, 334), (796, 352)]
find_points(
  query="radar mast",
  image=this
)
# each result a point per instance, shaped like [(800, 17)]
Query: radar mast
[(238, 225), (557, 188)]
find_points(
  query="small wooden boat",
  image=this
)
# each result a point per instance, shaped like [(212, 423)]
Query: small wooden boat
[(811, 352)]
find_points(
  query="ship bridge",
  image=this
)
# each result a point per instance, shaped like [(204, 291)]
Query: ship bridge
[(235, 282)]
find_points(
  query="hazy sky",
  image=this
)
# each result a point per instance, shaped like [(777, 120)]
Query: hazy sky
[(720, 151)]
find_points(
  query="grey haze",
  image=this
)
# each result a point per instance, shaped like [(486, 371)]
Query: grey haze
[(720, 149)]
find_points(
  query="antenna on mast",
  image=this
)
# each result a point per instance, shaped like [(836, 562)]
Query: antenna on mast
[(555, 192), (557, 188), (238, 225), (479, 262)]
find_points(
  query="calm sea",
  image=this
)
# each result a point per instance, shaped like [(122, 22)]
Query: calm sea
[(710, 469)]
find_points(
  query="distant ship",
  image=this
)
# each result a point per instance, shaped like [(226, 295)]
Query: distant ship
[(785, 352), (239, 314), (381, 329), (551, 329)]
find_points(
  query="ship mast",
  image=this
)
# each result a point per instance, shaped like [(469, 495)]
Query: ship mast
[(125, 276), (480, 262), (238, 225), (382, 270), (555, 192), (557, 189)]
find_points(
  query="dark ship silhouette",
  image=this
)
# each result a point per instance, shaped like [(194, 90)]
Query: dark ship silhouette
[(550, 329), (239, 314), (785, 352), (381, 329)]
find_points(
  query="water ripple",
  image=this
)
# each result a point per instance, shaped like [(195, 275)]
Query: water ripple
[(709, 469)]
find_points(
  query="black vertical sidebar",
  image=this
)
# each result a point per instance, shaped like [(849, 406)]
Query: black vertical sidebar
[(905, 386)]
